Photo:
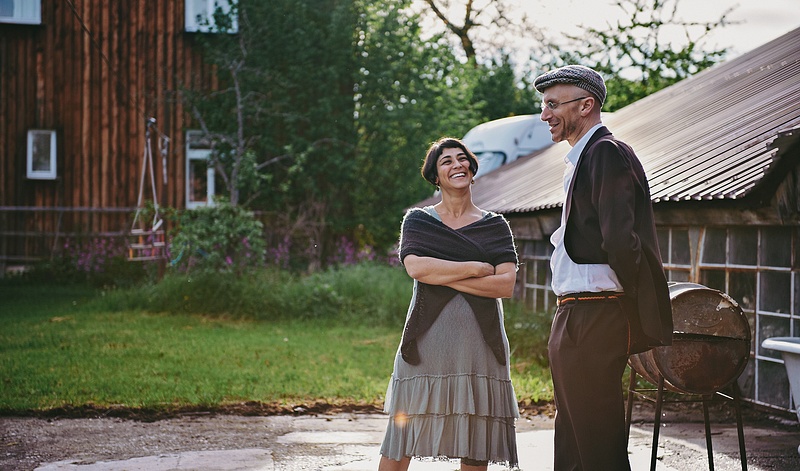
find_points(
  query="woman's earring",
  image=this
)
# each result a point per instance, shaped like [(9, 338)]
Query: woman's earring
[(473, 181)]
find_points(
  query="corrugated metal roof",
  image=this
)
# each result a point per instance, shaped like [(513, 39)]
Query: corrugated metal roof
[(707, 137)]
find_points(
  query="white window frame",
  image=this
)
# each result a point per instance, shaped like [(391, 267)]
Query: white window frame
[(192, 156), (534, 294), (198, 10), (32, 171), (25, 12)]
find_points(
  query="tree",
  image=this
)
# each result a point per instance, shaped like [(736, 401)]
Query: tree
[(482, 28), (409, 93), (290, 64), (499, 93), (632, 55), (281, 119), (325, 108), (490, 33)]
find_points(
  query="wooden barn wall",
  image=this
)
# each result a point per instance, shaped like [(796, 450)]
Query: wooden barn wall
[(93, 71)]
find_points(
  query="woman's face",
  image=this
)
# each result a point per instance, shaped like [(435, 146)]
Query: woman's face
[(452, 169)]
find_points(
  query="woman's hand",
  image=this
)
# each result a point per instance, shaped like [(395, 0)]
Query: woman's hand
[(498, 285), (434, 271)]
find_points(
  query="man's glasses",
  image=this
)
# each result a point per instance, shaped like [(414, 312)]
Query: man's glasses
[(551, 105)]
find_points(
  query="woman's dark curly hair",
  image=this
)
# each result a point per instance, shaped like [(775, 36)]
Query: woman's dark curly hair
[(435, 151)]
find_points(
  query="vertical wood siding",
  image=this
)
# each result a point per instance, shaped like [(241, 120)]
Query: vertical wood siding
[(95, 88)]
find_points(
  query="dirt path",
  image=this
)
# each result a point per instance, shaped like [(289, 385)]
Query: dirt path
[(91, 436)]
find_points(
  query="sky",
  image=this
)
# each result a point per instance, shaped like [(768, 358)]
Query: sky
[(760, 20)]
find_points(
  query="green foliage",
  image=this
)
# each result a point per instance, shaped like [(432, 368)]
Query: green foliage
[(216, 339), (98, 262), (282, 118), (371, 293), (528, 332), (219, 238), (325, 108), (271, 294), (409, 92), (499, 93), (631, 56), (61, 350)]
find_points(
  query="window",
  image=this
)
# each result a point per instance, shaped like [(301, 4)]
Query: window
[(200, 16), (41, 155), (675, 249), (755, 267), (199, 175), (25, 12), (535, 263), (488, 161)]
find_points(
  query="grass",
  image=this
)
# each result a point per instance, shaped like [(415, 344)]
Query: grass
[(68, 346)]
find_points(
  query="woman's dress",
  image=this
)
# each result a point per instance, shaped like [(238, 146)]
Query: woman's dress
[(458, 402)]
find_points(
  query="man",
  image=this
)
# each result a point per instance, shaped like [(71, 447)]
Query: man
[(613, 298)]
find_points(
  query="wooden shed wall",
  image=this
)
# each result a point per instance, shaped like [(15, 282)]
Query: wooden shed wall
[(93, 71)]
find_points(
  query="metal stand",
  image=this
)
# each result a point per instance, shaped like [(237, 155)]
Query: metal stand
[(147, 244), (705, 398)]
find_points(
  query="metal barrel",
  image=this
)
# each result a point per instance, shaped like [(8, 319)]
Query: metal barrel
[(710, 343)]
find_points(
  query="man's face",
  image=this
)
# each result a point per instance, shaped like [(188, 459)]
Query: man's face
[(562, 113)]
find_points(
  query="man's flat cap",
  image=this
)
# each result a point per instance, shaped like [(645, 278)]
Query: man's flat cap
[(577, 75)]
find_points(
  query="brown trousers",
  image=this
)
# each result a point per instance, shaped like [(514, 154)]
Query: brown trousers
[(587, 349)]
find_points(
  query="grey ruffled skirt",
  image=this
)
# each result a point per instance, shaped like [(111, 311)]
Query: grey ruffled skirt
[(458, 402)]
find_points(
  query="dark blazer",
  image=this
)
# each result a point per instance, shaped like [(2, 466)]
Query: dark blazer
[(610, 220)]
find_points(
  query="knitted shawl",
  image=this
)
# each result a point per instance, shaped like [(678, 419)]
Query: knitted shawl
[(487, 240)]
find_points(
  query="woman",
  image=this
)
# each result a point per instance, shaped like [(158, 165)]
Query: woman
[(450, 395)]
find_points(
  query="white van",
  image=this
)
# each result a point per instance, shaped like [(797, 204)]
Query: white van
[(496, 143)]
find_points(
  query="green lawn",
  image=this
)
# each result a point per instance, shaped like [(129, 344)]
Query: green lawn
[(57, 349)]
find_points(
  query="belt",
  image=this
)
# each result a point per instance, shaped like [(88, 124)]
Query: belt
[(588, 296)]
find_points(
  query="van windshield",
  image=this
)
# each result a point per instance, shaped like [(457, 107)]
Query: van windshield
[(488, 161)]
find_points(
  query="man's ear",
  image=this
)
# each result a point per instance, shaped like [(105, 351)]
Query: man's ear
[(588, 105)]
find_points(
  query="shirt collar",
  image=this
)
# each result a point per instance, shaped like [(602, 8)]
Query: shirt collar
[(573, 155)]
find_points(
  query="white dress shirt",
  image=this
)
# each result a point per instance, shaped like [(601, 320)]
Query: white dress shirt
[(568, 276)]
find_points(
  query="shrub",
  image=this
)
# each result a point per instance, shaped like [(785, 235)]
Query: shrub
[(98, 262), (528, 331), (219, 238), (368, 293)]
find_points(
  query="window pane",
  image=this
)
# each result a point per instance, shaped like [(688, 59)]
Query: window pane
[(530, 295), (41, 152), (663, 243), (198, 141), (527, 248), (551, 300), (714, 246), (540, 300), (768, 327), (796, 299), (747, 384), (773, 385), (776, 247), (680, 247), (542, 272), (20, 11), (743, 289), (714, 279), (775, 294), (543, 248), (488, 161), (743, 246), (530, 272), (678, 275), (198, 184)]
